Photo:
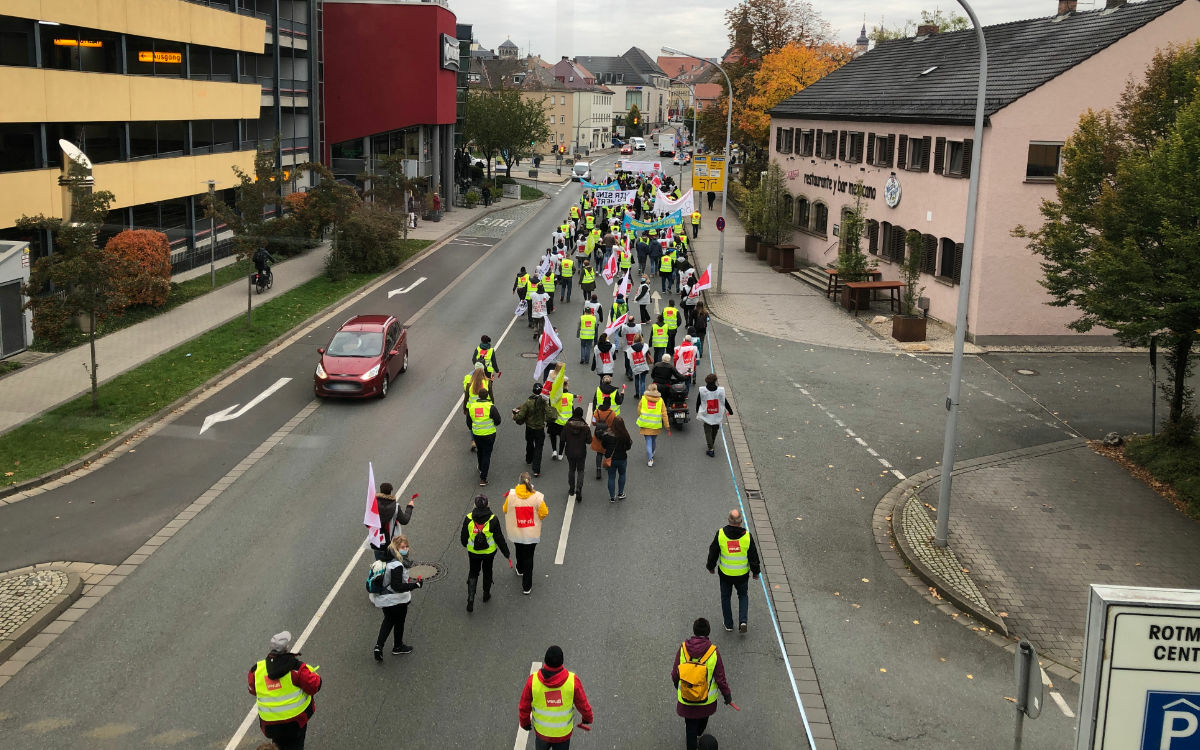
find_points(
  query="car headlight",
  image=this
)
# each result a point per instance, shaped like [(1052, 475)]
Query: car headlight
[(321, 372), (370, 374)]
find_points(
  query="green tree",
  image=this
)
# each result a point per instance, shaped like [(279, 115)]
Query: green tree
[(852, 263), (633, 121), (771, 24), (1121, 243), (79, 282), (257, 198), (501, 122), (944, 20), (774, 222)]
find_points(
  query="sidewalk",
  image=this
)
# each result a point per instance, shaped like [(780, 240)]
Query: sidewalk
[(46, 382)]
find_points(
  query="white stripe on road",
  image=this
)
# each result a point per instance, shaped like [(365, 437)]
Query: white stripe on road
[(523, 734), (561, 553), (240, 734), (1062, 704)]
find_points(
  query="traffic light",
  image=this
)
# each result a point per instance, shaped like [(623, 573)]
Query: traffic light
[(635, 120)]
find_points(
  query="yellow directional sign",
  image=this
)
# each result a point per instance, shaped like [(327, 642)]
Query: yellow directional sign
[(708, 173)]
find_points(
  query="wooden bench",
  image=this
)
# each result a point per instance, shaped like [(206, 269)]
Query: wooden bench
[(893, 288), (834, 287)]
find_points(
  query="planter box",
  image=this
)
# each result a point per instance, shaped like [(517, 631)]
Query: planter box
[(773, 255), (906, 328), (751, 243), (763, 249), (787, 259)]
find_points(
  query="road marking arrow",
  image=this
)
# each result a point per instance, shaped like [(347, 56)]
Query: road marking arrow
[(656, 298), (407, 289), (226, 415)]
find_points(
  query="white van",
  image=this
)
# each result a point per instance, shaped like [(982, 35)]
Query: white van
[(638, 143), (581, 171)]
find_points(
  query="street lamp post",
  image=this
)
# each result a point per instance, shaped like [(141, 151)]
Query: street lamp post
[(964, 295), (212, 235), (728, 135)]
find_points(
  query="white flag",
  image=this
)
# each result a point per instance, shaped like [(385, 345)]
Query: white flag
[(548, 348), (371, 517), (614, 326)]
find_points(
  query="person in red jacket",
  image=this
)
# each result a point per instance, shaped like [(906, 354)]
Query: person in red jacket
[(282, 713), (695, 715), (544, 708)]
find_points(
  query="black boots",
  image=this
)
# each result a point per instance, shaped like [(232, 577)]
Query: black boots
[(472, 584)]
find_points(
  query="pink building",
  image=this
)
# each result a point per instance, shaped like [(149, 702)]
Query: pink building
[(899, 119)]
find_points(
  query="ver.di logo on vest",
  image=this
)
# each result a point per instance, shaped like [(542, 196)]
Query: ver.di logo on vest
[(1172, 721)]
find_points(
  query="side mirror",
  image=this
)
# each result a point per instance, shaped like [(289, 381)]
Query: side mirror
[(395, 353), (321, 350)]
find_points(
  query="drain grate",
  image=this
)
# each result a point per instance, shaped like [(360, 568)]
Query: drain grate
[(428, 571), (529, 355), (754, 494)]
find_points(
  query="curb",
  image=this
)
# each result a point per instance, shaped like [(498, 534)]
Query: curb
[(898, 554), (50, 612), (135, 434)]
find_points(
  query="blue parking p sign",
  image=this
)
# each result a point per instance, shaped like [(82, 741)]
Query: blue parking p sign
[(1172, 721)]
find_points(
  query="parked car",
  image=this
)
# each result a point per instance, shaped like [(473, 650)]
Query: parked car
[(477, 162), (581, 171), (617, 142), (627, 149), (362, 359)]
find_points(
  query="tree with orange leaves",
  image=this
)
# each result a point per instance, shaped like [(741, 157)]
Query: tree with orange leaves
[(782, 74)]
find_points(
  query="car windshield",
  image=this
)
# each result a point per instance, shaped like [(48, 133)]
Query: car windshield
[(356, 344), (581, 169)]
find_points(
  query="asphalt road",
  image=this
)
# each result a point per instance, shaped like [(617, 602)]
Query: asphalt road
[(161, 660)]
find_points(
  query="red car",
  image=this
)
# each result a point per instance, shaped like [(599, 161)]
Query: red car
[(363, 358), (627, 149)]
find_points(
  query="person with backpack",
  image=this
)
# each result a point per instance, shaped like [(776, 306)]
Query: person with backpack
[(535, 413), (485, 354), (481, 535), (698, 675), (576, 438), (262, 259), (391, 517), (549, 700), (602, 418), (524, 509), (616, 443), (390, 589)]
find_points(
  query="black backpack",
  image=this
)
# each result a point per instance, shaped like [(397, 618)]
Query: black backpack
[(480, 541)]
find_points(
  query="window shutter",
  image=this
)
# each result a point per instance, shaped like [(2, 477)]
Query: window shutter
[(968, 145), (926, 146), (929, 254), (818, 147), (871, 148), (902, 153), (873, 237), (779, 140), (841, 145), (958, 253), (939, 156), (891, 151), (858, 148)]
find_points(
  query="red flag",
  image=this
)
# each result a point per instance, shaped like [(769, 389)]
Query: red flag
[(616, 324), (610, 269), (371, 517), (548, 349), (702, 283)]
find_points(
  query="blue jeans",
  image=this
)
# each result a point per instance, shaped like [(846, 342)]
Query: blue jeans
[(585, 350), (639, 384), (650, 441), (729, 583), (619, 465), (565, 284)]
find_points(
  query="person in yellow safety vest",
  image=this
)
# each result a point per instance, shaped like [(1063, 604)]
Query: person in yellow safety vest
[(566, 271), (548, 287), (589, 221), (486, 353), (696, 223), (531, 287), (549, 700), (574, 211), (672, 315), (607, 391), (626, 259), (666, 270), (652, 419), (699, 658), (732, 553), (660, 336), (565, 228), (619, 308), (482, 417), (587, 278), (481, 535), (283, 688), (587, 336)]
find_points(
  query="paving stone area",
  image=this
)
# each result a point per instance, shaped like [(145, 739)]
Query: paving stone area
[(1035, 527), (919, 527), (23, 595)]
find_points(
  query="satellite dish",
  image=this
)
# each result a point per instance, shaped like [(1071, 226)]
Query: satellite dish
[(74, 154)]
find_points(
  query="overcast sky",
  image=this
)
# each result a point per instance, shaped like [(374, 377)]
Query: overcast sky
[(609, 27)]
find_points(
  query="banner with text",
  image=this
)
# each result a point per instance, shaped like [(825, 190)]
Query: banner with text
[(641, 226), (610, 186), (647, 167), (615, 197), (664, 205)]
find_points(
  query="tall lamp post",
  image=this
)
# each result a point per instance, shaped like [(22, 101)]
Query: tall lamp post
[(728, 135), (964, 295)]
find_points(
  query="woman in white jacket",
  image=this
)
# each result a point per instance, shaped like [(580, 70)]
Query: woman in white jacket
[(394, 603), (524, 510)]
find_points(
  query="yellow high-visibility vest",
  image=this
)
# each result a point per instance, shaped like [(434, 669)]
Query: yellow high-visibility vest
[(553, 711), (278, 700)]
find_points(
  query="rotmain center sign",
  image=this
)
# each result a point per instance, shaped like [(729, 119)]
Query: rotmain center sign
[(1141, 673)]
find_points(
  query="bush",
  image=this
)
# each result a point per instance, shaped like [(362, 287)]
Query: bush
[(336, 267), (476, 174), (146, 253), (472, 197), (1177, 465), (370, 241)]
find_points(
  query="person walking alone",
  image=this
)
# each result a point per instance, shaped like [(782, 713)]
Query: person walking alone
[(652, 419), (698, 675), (711, 407), (524, 509), (535, 414), (734, 558), (549, 701), (576, 438), (397, 593), (481, 535), (283, 687)]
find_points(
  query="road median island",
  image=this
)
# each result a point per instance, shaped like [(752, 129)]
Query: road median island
[(63, 438)]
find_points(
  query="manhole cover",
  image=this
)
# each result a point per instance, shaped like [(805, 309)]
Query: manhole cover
[(1027, 372), (428, 571), (529, 355)]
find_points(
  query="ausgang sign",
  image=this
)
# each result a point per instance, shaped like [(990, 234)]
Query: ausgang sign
[(1141, 672)]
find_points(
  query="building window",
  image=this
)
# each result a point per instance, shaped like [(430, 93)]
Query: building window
[(783, 140), (881, 149), (162, 139), (1045, 161), (802, 212), (847, 213), (87, 50), (913, 153), (855, 144), (16, 42), (562, 100), (820, 223), (154, 57), (789, 204), (945, 264), (19, 146), (826, 143), (805, 142), (101, 141), (212, 63), (872, 237), (562, 119)]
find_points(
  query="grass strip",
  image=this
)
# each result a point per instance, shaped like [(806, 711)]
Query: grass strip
[(72, 430), (1175, 465)]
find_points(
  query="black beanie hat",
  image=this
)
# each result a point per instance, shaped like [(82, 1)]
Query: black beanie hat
[(554, 657), (481, 501)]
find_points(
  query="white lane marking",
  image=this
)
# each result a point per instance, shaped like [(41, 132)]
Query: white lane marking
[(1062, 704), (885, 463), (244, 727), (561, 553), (898, 475), (523, 734), (872, 451), (407, 289), (861, 442), (227, 414)]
